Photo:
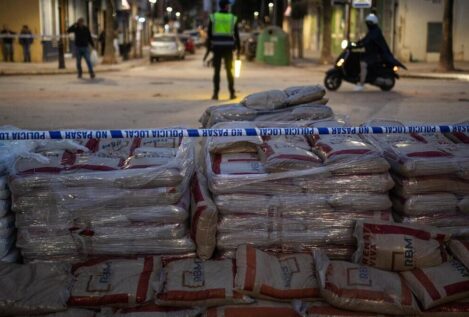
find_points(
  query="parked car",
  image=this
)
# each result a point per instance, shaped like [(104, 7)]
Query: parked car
[(188, 43), (166, 46), (195, 36)]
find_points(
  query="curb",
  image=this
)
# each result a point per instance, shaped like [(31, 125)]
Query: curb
[(69, 71), (436, 77)]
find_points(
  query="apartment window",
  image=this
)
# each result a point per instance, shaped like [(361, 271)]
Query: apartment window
[(434, 36)]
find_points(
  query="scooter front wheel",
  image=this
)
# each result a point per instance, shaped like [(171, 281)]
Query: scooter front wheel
[(389, 84), (332, 81)]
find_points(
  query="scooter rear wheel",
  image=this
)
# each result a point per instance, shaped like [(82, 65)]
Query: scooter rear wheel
[(390, 85), (332, 81)]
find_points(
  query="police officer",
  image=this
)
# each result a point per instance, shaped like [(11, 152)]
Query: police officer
[(223, 38)]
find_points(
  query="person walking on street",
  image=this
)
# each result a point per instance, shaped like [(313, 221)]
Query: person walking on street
[(223, 38), (26, 39), (7, 41), (82, 41)]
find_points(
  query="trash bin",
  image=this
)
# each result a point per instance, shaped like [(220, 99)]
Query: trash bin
[(273, 47)]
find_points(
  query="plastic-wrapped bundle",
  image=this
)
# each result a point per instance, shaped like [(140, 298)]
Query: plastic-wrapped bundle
[(110, 197), (322, 309), (285, 197), (416, 205), (431, 184), (292, 104), (8, 253), (260, 308), (34, 288), (151, 310)]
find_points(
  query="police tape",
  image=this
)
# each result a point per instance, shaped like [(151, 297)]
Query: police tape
[(12, 135)]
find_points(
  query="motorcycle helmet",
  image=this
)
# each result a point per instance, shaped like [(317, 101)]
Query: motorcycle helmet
[(371, 19)]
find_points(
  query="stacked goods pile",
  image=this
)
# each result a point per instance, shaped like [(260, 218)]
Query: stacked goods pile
[(123, 197), (287, 193), (291, 104), (431, 175), (8, 252)]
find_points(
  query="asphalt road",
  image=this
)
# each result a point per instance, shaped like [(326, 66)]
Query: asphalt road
[(175, 93)]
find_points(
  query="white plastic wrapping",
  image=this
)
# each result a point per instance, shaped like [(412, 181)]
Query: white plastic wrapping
[(34, 288), (460, 249)]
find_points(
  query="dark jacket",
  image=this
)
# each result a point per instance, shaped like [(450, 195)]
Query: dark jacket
[(9, 39), (26, 37), (210, 38), (376, 48), (82, 35)]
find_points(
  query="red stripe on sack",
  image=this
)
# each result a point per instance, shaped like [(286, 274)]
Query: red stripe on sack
[(216, 164), (247, 311), (462, 137), (98, 300), (92, 167), (456, 288), (348, 152), (192, 296), (324, 147), (250, 277), (426, 283), (53, 170), (360, 294), (429, 154), (418, 137), (98, 260), (212, 312), (92, 145), (392, 229), (406, 293), (144, 280), (289, 293), (68, 158), (297, 157), (196, 190)]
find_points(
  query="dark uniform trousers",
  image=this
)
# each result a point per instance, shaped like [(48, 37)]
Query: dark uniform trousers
[(225, 54)]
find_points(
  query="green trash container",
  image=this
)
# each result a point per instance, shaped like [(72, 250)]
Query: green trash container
[(273, 47)]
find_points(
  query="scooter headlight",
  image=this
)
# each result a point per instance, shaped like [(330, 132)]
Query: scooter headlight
[(340, 62), (344, 44), (395, 69)]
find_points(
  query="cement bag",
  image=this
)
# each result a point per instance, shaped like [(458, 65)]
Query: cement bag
[(37, 288), (458, 308), (350, 286), (431, 184), (298, 141), (234, 144), (5, 245), (192, 282), (12, 256), (54, 162), (439, 285), (304, 94), (322, 309), (71, 312), (204, 217), (417, 205), (463, 204), (282, 157), (7, 225), (398, 247), (226, 113), (460, 249), (305, 112), (266, 100), (420, 159), (151, 310), (282, 277), (237, 163), (119, 282), (258, 309), (148, 157), (161, 142)]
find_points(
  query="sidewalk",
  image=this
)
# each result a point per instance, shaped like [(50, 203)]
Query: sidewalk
[(414, 70), (51, 68)]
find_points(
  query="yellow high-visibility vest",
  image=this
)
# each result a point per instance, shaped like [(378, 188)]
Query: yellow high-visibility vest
[(223, 24)]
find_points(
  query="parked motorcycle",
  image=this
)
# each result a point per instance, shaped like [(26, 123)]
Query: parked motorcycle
[(347, 67)]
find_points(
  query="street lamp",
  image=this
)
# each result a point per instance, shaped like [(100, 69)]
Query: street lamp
[(169, 10), (256, 14), (271, 6), (178, 14), (152, 1)]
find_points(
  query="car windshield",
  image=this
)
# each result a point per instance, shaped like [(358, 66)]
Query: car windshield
[(166, 39)]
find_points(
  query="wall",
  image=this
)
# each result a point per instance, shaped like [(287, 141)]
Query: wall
[(17, 13), (412, 19)]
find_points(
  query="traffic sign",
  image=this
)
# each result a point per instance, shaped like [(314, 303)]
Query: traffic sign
[(361, 4)]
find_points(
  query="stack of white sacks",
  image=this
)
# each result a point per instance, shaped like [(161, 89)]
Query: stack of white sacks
[(431, 175), (100, 197), (290, 193), (303, 103)]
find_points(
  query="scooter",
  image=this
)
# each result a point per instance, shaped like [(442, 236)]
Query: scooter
[(347, 67)]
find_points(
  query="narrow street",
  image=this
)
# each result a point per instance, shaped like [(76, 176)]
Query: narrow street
[(175, 93)]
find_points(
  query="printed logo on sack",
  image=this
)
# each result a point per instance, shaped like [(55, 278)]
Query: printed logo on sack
[(101, 281), (359, 276), (408, 252), (196, 277), (369, 248), (460, 268), (289, 267)]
